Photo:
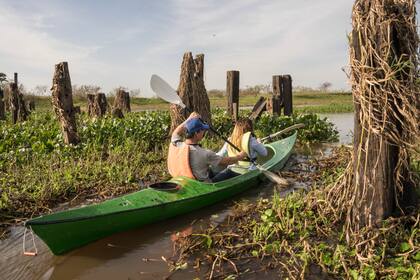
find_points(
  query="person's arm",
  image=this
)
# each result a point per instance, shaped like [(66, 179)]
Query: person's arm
[(258, 147), (223, 150), (180, 129), (231, 160)]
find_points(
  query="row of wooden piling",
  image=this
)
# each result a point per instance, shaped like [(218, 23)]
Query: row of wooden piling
[(191, 90), (280, 99)]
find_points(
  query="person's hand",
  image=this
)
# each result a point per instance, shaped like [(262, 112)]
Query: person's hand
[(258, 140), (194, 115), (241, 156)]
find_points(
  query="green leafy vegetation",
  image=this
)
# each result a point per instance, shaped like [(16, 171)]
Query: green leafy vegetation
[(293, 235), (38, 172)]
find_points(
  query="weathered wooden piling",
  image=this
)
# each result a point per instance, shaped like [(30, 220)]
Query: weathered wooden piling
[(122, 101), (287, 97), (62, 99), (274, 105), (14, 101), (201, 101), (258, 108), (31, 105), (232, 92), (90, 98), (191, 90), (100, 105), (2, 105), (274, 102)]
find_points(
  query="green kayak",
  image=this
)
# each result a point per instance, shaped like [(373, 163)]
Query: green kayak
[(66, 230)]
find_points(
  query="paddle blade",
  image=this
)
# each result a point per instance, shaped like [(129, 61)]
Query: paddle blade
[(165, 91), (276, 179)]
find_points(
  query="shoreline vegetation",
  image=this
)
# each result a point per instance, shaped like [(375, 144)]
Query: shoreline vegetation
[(115, 156), (296, 236), (303, 102)]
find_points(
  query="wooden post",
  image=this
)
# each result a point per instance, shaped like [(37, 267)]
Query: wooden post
[(31, 105), (259, 107), (273, 105), (235, 111), (90, 100), (77, 109), (62, 99), (185, 91), (232, 91), (276, 101), (287, 98), (2, 107), (16, 79), (122, 101), (380, 176), (201, 102), (191, 90), (199, 66), (14, 101), (100, 105), (117, 113), (23, 110)]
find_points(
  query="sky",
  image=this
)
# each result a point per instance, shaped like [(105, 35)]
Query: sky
[(122, 43)]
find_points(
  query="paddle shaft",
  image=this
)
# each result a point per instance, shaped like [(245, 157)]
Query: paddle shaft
[(216, 132)]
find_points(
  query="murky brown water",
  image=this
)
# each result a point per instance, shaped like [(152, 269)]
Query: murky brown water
[(135, 254)]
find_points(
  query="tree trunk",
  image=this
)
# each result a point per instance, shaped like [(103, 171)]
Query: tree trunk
[(386, 117), (62, 99), (2, 107)]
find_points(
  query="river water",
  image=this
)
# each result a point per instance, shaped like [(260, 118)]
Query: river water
[(135, 254)]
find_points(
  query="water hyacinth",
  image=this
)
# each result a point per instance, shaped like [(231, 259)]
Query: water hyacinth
[(41, 134)]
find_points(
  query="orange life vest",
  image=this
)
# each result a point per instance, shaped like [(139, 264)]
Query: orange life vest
[(179, 161)]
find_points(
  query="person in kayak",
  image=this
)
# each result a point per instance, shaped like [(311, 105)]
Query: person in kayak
[(243, 138), (188, 158)]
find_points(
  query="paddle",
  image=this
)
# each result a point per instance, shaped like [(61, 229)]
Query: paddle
[(166, 92), (287, 129)]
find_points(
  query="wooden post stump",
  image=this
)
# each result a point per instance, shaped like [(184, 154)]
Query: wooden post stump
[(232, 91), (100, 105), (90, 100), (273, 105), (275, 102), (287, 98), (2, 107), (77, 110), (62, 99), (31, 105), (14, 101), (201, 102), (23, 110), (191, 90), (117, 113), (122, 101), (258, 108)]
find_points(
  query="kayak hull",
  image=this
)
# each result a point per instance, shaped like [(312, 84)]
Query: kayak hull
[(67, 230)]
